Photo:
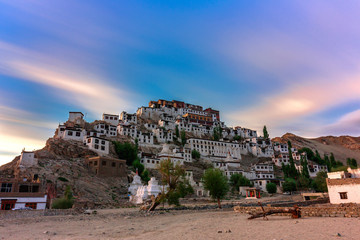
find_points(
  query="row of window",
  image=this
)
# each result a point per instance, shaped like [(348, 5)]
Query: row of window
[(111, 118), (70, 133)]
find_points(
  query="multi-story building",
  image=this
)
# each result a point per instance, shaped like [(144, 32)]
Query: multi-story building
[(104, 128), (128, 118), (215, 148), (22, 194), (97, 144), (111, 119)]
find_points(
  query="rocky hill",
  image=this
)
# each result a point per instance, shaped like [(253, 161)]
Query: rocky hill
[(342, 147), (63, 163)]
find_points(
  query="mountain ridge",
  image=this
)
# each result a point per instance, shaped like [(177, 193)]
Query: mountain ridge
[(342, 147)]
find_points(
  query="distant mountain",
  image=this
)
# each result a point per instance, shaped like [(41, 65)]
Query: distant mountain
[(342, 147)]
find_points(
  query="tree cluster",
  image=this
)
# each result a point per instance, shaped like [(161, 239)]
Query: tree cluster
[(238, 180)]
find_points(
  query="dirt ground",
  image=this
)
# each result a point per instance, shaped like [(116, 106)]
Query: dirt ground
[(215, 224)]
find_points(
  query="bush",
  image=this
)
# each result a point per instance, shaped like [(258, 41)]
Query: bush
[(66, 201), (62, 203), (271, 188), (195, 154)]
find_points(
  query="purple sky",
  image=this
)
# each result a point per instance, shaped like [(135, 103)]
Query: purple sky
[(290, 65)]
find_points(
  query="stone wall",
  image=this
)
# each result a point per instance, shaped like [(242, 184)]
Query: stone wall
[(342, 210), (35, 213)]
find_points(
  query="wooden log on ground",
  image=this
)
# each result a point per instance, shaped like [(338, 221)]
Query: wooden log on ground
[(295, 212)]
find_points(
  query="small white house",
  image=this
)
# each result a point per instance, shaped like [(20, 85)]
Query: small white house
[(344, 187), (76, 117), (99, 145), (69, 133), (111, 119), (27, 159)]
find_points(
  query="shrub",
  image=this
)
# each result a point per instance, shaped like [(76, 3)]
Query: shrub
[(66, 201), (195, 154), (271, 188), (62, 203)]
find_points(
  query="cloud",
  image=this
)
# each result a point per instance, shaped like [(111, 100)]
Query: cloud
[(298, 102), (349, 124), (21, 129), (83, 88)]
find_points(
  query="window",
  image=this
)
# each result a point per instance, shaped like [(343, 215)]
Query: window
[(95, 163), (96, 146), (96, 140), (103, 163), (6, 187), (106, 117), (343, 195), (113, 164), (78, 134), (24, 188), (31, 205), (103, 142), (89, 140), (70, 133), (102, 148), (7, 204)]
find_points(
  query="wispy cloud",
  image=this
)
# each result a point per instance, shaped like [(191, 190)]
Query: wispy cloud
[(80, 87), (349, 124)]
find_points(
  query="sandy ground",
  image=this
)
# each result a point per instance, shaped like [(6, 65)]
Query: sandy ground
[(130, 224)]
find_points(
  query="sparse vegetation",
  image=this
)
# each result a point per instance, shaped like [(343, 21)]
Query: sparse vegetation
[(66, 201)]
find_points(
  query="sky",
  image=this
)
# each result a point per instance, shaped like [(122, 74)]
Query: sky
[(293, 66)]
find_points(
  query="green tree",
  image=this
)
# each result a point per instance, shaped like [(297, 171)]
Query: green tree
[(354, 163), (183, 137), (216, 183), (217, 133), (304, 169), (309, 153), (332, 161), (237, 180), (144, 174), (195, 154), (293, 173), (126, 151), (271, 187), (265, 132), (237, 138), (289, 185), (303, 182), (351, 162), (319, 183), (174, 177)]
